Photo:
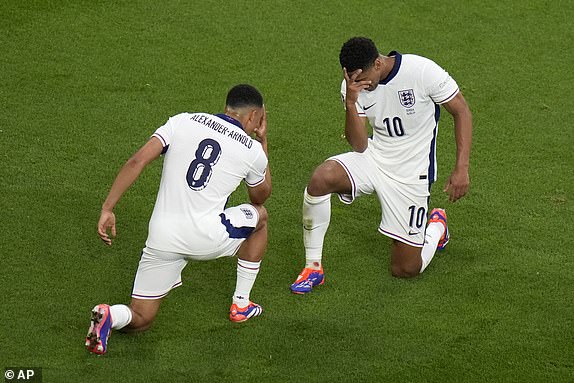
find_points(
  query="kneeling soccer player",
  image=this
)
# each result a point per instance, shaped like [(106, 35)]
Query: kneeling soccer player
[(206, 158), (400, 97)]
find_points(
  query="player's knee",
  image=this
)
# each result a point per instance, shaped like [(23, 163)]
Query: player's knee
[(263, 216), (322, 180), (406, 260), (141, 324), (404, 271), (316, 186)]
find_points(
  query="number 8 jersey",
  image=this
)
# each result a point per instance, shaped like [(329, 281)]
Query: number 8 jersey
[(206, 158), (403, 111)]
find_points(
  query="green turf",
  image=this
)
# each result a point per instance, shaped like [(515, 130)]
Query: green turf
[(84, 83)]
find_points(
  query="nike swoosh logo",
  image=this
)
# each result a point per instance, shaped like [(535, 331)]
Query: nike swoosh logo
[(369, 107), (413, 233)]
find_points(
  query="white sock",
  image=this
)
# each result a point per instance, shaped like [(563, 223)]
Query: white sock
[(316, 218), (433, 234), (246, 275), (121, 316)]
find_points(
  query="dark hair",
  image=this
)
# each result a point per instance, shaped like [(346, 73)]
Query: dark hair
[(243, 95), (358, 53)]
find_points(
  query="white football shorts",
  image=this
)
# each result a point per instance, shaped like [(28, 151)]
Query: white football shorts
[(404, 206), (160, 271)]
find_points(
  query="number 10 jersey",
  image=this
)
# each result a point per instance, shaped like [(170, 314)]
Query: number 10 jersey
[(403, 111), (206, 158)]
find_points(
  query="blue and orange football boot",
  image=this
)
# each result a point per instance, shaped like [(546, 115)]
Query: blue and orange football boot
[(241, 314), (308, 279), (439, 215), (100, 330)]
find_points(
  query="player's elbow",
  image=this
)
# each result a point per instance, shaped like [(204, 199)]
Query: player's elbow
[(360, 147), (136, 162), (267, 193), (262, 194), (468, 114), (359, 144)]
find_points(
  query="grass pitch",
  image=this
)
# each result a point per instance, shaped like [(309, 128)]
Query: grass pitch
[(84, 84)]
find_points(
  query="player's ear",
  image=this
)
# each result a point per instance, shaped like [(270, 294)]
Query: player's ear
[(252, 115)]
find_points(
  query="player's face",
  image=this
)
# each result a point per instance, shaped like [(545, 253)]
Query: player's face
[(369, 74)]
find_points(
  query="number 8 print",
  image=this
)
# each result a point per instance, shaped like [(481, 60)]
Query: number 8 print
[(200, 169)]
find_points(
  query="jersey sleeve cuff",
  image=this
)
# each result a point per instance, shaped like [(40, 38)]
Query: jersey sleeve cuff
[(449, 97), (159, 137), (251, 185)]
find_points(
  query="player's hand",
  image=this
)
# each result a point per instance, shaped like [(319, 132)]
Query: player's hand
[(354, 87), (261, 131), (107, 221), (457, 185)]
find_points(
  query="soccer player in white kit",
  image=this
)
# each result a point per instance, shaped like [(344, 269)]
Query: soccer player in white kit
[(206, 158), (400, 96)]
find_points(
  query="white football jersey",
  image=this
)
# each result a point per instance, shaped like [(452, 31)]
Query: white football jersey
[(206, 158), (404, 111)]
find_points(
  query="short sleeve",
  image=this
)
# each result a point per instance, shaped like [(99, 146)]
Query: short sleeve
[(360, 110), (439, 85), (256, 174), (165, 133)]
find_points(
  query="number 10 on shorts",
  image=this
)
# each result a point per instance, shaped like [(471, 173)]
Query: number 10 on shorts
[(417, 216)]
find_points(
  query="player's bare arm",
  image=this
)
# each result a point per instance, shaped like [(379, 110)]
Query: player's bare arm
[(355, 125), (458, 183), (259, 194), (125, 178)]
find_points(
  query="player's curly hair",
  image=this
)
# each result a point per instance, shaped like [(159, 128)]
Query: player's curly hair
[(358, 53), (243, 95)]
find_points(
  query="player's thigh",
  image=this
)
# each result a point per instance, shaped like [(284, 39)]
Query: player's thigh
[(240, 222), (348, 174), (329, 177), (158, 273), (403, 210)]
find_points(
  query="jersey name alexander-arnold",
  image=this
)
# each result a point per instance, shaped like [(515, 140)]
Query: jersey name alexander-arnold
[(222, 129)]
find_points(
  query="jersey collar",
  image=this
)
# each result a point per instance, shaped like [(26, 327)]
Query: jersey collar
[(230, 120), (396, 67)]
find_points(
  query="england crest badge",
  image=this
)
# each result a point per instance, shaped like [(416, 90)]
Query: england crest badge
[(407, 98)]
